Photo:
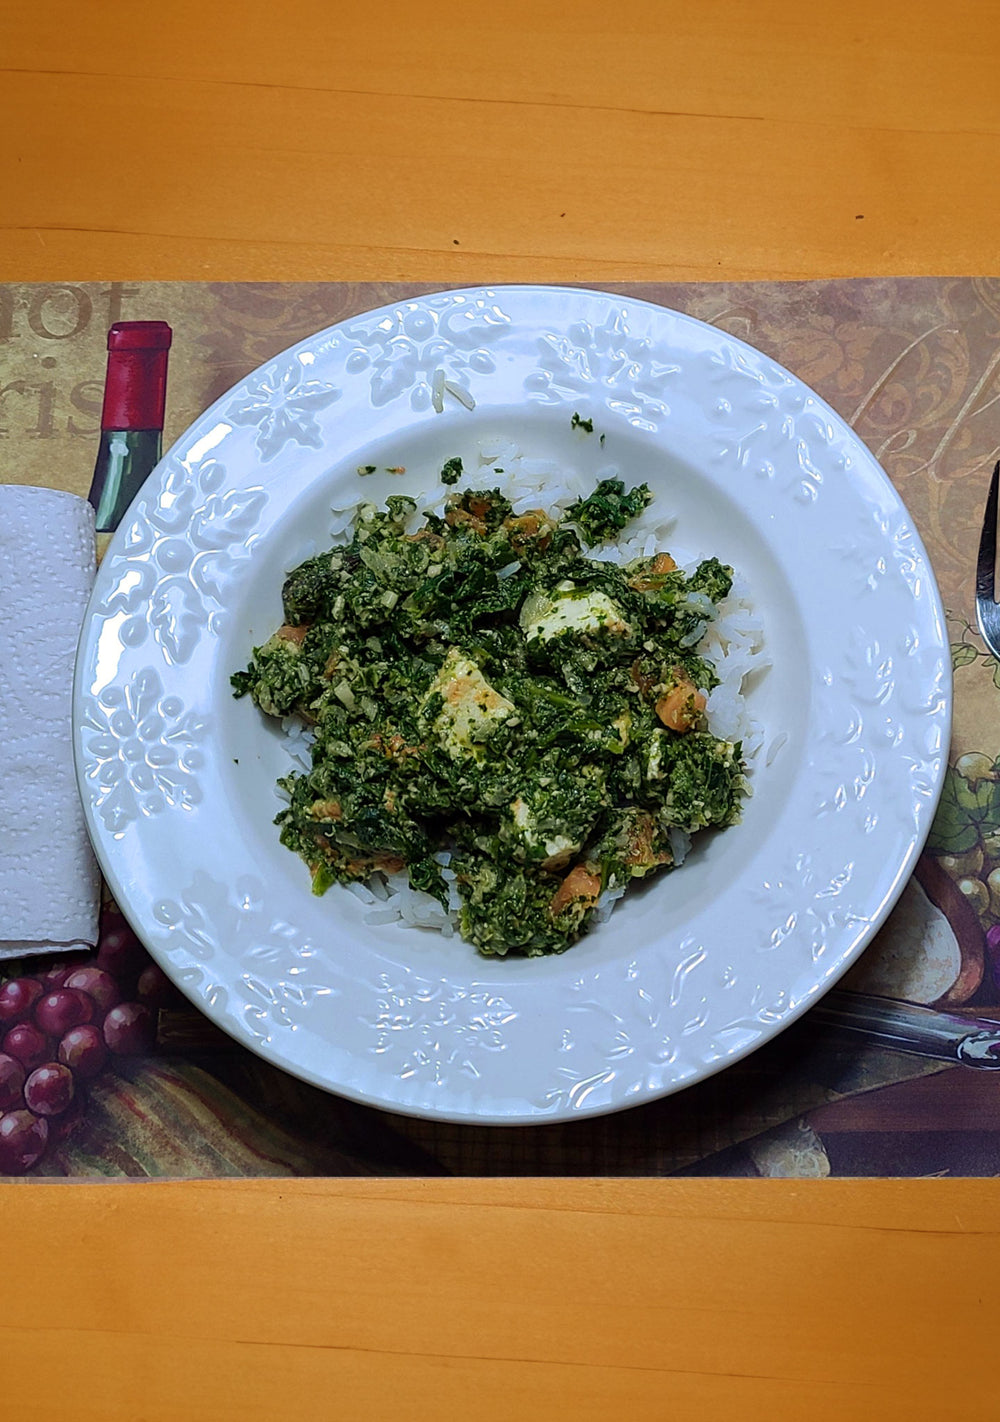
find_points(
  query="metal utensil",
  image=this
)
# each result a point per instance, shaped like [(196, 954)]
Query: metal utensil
[(919, 1031), (987, 608)]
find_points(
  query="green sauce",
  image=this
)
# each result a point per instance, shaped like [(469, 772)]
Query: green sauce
[(478, 685)]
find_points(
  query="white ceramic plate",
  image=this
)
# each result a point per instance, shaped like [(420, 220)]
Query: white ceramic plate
[(690, 974)]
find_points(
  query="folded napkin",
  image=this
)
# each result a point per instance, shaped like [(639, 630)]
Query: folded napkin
[(49, 882)]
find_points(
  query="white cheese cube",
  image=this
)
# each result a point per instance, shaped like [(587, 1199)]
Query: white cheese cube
[(570, 609), (470, 707)]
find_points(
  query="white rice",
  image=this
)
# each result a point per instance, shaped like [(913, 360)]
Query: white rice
[(732, 642), (437, 392), (440, 387), (459, 393)]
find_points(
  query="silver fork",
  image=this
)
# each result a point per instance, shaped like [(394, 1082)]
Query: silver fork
[(987, 607)]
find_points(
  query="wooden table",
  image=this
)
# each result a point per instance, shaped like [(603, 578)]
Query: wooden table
[(570, 142)]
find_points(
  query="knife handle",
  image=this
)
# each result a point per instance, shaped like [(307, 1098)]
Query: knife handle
[(920, 1031)]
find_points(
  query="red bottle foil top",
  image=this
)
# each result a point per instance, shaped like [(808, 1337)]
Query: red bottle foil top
[(135, 388)]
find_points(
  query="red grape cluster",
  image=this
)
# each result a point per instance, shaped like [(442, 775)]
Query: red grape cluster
[(62, 1028)]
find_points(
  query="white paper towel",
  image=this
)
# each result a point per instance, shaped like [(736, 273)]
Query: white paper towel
[(49, 882)]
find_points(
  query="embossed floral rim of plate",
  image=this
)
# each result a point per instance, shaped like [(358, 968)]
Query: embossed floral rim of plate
[(691, 972)]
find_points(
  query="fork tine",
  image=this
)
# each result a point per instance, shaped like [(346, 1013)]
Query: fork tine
[(986, 565)]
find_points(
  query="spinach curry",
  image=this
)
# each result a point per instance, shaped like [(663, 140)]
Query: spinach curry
[(479, 687)]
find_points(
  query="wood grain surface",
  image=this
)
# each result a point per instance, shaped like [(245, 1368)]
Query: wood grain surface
[(500, 1300), (478, 142), (572, 140)]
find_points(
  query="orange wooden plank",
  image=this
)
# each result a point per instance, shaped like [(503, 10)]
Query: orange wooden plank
[(509, 141), (508, 1299)]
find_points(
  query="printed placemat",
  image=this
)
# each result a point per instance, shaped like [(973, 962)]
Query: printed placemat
[(912, 364)]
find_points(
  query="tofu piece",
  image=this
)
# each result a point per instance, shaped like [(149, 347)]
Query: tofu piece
[(654, 756), (570, 609), (559, 848), (471, 706)]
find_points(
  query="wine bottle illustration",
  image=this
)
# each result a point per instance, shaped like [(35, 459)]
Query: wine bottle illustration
[(135, 392)]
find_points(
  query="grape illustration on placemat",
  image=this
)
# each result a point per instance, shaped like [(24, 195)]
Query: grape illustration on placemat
[(107, 1070), (65, 1027)]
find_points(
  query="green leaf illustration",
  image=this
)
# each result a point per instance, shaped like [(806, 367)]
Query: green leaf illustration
[(962, 654), (965, 813)]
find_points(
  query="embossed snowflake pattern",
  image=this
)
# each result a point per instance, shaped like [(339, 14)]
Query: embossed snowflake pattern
[(810, 902), (142, 751), (578, 1091), (876, 549), (868, 671), (605, 362), (282, 404), (180, 552), (762, 412), (405, 348), (432, 1028), (278, 977)]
